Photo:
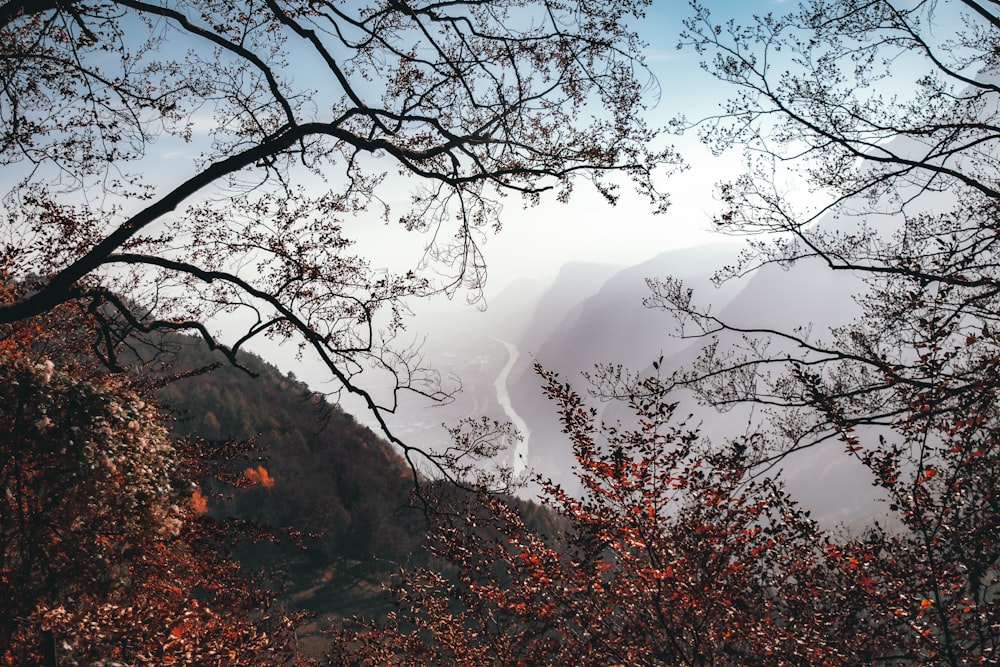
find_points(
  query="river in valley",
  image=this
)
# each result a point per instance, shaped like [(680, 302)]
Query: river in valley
[(520, 458)]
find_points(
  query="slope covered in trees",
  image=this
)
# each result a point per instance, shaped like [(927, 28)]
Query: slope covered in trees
[(106, 550), (333, 481)]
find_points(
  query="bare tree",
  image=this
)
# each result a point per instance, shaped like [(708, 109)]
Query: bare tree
[(310, 120), (890, 114)]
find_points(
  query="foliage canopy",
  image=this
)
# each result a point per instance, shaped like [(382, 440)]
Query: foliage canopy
[(105, 552), (177, 163)]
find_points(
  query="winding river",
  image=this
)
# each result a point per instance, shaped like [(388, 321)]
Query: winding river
[(520, 460)]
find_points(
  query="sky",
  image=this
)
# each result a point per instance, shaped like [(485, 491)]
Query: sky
[(535, 242)]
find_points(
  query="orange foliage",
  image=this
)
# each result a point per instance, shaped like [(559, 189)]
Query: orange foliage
[(199, 503), (259, 475)]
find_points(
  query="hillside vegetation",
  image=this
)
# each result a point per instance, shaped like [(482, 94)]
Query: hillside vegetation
[(332, 481)]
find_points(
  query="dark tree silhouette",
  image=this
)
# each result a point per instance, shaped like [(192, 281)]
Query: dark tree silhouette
[(672, 555), (888, 113), (678, 554), (303, 122)]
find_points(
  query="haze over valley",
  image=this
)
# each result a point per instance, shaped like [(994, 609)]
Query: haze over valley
[(592, 314)]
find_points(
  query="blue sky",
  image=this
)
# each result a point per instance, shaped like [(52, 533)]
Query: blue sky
[(535, 242)]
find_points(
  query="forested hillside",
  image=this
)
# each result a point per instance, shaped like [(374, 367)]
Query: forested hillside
[(333, 481)]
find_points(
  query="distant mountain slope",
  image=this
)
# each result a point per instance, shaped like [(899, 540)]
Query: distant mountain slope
[(608, 325), (613, 327), (574, 284), (811, 296)]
